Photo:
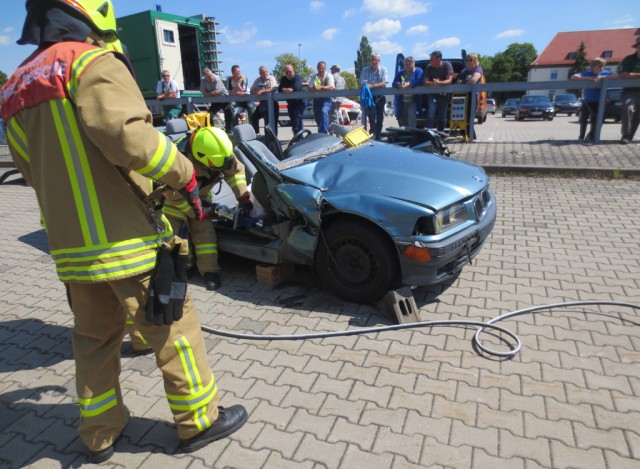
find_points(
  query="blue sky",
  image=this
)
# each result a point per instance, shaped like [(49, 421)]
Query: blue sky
[(330, 30)]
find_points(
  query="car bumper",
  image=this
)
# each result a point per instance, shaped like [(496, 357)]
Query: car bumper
[(449, 256), (571, 109), (535, 114)]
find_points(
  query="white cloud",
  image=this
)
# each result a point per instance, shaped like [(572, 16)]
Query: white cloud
[(264, 43), (328, 34), (385, 47), (395, 8), (423, 49), (382, 28), (419, 29), (240, 36), (316, 5), (5, 40), (626, 19), (349, 12), (8, 29), (510, 33)]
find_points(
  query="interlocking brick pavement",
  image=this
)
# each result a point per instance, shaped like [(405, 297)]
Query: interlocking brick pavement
[(404, 399)]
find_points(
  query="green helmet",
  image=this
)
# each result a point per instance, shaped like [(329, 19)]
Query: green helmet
[(212, 147)]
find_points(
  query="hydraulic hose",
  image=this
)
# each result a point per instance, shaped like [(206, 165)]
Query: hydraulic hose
[(481, 326)]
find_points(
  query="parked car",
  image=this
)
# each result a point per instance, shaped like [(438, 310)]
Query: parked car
[(388, 108), (350, 111), (566, 102), (491, 106), (613, 104), (534, 106), (509, 107), (368, 216)]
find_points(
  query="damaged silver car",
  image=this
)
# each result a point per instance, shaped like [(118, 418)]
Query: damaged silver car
[(368, 216)]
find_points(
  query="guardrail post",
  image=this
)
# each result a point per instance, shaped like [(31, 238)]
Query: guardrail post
[(190, 106), (271, 111), (472, 112)]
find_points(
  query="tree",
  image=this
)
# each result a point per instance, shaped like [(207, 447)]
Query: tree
[(350, 80), (580, 63), (511, 66), (300, 66), (364, 56), (3, 78)]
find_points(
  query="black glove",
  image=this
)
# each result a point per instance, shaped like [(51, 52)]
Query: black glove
[(168, 287), (208, 209), (192, 194), (245, 205)]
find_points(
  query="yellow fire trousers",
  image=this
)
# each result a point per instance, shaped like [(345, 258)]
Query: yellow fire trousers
[(100, 313), (202, 236)]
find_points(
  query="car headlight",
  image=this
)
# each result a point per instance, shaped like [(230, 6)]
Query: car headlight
[(443, 220), (450, 217)]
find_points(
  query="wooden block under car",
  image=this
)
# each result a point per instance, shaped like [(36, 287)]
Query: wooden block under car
[(272, 275)]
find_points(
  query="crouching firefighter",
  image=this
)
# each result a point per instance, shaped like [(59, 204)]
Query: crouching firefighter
[(82, 136), (211, 152)]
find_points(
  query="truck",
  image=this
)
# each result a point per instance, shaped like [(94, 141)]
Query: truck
[(183, 45)]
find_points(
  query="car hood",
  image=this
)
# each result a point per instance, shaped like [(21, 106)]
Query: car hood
[(387, 170)]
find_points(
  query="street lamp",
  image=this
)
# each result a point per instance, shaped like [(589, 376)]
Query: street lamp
[(299, 46)]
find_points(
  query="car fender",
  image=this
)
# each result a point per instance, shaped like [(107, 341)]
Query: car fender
[(395, 216)]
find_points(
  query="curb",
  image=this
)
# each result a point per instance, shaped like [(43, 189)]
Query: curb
[(563, 171)]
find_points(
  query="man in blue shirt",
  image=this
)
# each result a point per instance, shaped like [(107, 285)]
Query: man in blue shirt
[(375, 76), (589, 110)]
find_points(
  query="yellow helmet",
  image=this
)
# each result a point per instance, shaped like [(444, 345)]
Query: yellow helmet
[(97, 14), (212, 147)]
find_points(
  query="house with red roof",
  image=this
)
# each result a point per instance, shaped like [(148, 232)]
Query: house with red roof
[(556, 59)]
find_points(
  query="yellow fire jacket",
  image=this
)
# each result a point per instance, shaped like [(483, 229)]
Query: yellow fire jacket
[(81, 134), (176, 206)]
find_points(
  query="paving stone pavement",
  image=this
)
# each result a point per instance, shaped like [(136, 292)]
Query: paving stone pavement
[(420, 397)]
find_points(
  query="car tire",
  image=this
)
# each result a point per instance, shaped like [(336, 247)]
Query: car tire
[(356, 261), (504, 115)]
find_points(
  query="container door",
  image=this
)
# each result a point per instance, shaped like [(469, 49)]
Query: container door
[(169, 50)]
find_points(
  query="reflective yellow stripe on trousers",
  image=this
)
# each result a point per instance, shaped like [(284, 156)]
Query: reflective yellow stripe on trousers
[(99, 404), (199, 395)]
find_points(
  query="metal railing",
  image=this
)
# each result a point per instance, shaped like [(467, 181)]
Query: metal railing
[(603, 86)]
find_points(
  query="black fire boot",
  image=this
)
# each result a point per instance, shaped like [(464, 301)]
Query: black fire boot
[(229, 421), (212, 280)]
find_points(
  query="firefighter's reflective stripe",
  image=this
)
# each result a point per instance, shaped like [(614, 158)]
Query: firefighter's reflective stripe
[(99, 404), (129, 257), (78, 67), (80, 177), (203, 249), (173, 212), (18, 139), (162, 160), (236, 180), (135, 332), (199, 394), (178, 205)]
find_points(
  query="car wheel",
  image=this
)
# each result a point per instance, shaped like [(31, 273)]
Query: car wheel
[(550, 119), (504, 115), (356, 261)]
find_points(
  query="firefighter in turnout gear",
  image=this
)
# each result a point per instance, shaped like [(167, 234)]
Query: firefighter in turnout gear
[(81, 134), (211, 152)]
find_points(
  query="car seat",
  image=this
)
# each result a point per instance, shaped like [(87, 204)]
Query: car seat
[(245, 133), (176, 128)]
